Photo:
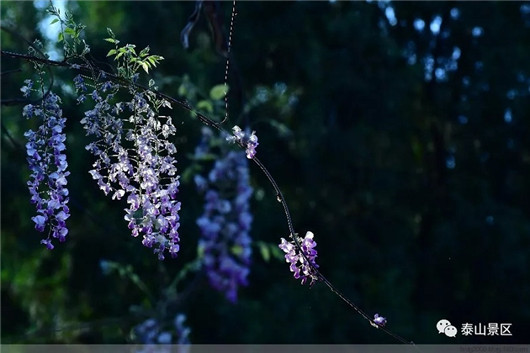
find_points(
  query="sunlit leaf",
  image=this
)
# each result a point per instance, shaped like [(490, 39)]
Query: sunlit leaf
[(144, 52), (205, 105), (265, 252), (145, 66), (70, 31), (218, 92)]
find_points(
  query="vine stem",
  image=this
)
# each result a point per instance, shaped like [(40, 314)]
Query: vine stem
[(50, 73), (209, 122), (231, 30), (320, 276)]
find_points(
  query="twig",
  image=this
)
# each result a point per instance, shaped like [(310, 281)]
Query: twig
[(50, 72), (209, 122)]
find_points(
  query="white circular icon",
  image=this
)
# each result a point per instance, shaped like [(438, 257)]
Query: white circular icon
[(442, 324), (450, 331)]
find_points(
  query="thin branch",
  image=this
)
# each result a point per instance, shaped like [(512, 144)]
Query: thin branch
[(10, 72), (50, 72), (209, 122), (14, 142), (281, 199), (28, 57)]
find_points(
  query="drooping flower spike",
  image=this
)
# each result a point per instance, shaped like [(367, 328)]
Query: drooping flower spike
[(303, 267), (47, 162), (225, 243), (135, 161)]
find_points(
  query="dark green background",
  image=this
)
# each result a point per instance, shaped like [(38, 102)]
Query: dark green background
[(361, 156)]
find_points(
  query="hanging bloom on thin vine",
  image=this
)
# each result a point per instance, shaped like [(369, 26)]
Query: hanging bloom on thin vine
[(249, 141), (47, 163), (225, 223), (379, 320), (303, 267)]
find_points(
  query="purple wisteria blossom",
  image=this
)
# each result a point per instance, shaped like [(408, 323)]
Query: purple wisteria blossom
[(250, 141), (47, 163), (303, 267), (27, 88), (379, 320), (225, 223), (80, 87), (135, 162)]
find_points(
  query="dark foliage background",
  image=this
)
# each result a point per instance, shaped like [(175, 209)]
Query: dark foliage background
[(408, 159)]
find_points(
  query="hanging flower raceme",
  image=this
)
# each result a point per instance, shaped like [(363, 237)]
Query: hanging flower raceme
[(47, 162), (135, 161), (225, 223), (250, 141), (303, 267)]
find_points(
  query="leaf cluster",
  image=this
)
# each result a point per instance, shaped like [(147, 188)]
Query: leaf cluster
[(70, 33), (128, 61)]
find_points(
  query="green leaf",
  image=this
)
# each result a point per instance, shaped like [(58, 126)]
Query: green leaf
[(60, 38), (112, 40), (109, 31), (145, 66), (70, 31), (218, 92), (200, 251), (276, 252), (144, 52), (182, 90), (236, 250), (54, 21), (205, 105), (265, 252), (111, 52), (152, 60), (130, 48), (187, 175)]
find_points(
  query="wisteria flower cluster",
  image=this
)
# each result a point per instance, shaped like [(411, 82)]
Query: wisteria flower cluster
[(226, 221), (151, 332), (135, 161), (47, 163), (302, 266), (250, 141), (380, 320)]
